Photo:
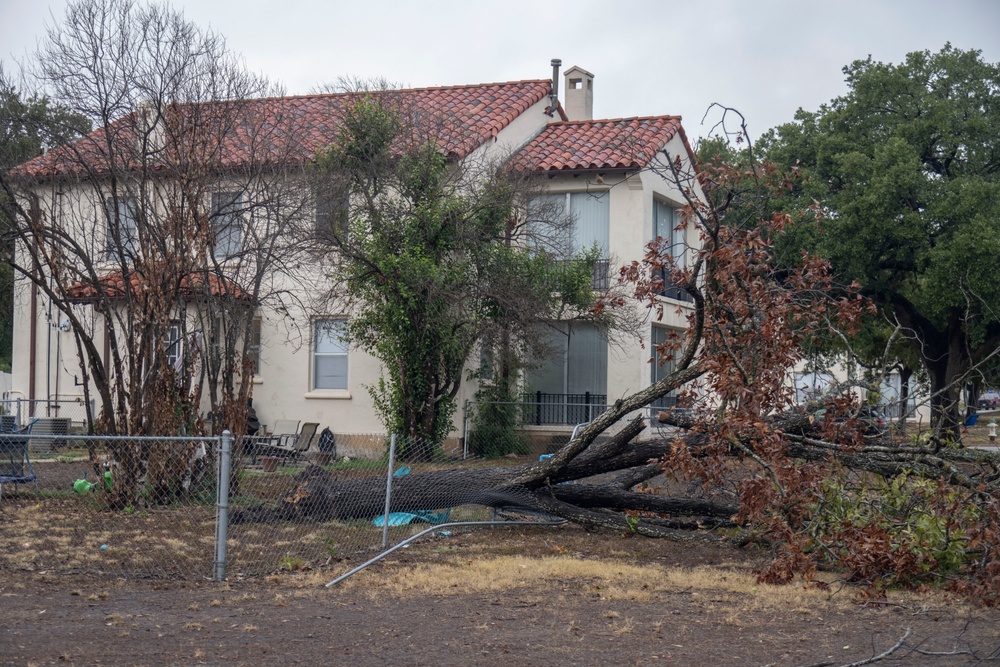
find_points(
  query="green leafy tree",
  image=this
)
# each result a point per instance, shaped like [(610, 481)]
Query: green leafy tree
[(907, 167), (433, 263)]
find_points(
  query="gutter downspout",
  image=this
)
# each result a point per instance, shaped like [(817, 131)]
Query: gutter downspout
[(32, 350)]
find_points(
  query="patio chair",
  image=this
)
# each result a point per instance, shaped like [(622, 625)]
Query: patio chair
[(15, 461), (271, 443), (297, 445), (284, 431)]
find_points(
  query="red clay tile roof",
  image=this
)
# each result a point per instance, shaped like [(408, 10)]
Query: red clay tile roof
[(624, 143), (291, 130), (112, 286)]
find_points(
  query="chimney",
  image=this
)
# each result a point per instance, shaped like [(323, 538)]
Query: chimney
[(554, 95), (579, 94), (149, 125)]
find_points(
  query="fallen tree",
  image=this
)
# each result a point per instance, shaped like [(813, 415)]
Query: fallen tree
[(815, 481)]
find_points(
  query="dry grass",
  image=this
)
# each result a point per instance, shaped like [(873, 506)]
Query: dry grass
[(605, 580)]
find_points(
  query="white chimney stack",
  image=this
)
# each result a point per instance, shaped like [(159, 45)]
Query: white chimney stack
[(579, 94)]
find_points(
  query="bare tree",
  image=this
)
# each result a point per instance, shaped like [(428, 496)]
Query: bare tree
[(158, 236)]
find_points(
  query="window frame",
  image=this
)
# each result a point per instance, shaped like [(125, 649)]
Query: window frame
[(227, 219), (253, 349), (572, 341), (659, 370), (119, 210), (336, 323), (563, 245), (331, 212), (173, 344), (676, 247)]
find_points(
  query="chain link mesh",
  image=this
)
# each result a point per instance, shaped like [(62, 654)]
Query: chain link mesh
[(331, 509), (47, 418), (147, 507), (117, 506)]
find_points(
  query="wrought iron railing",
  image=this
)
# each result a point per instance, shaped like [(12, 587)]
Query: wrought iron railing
[(540, 408), (671, 290), (600, 274)]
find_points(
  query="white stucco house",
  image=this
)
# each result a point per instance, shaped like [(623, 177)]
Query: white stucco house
[(600, 170)]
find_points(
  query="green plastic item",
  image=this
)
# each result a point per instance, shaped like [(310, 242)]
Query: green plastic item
[(81, 486)]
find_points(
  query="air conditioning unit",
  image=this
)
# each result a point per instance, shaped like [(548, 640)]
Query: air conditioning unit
[(49, 426)]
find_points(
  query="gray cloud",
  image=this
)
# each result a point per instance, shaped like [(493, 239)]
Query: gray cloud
[(767, 57)]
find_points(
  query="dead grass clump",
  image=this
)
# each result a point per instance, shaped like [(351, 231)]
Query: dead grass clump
[(606, 580)]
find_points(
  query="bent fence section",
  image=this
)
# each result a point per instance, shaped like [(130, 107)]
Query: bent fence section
[(199, 508)]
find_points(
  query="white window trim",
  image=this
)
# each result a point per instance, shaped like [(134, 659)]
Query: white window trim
[(326, 392), (127, 208), (257, 326), (175, 343), (234, 217)]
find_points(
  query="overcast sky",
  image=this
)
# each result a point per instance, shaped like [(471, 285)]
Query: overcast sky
[(765, 57)]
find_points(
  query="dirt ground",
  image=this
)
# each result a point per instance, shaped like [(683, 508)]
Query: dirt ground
[(509, 596)]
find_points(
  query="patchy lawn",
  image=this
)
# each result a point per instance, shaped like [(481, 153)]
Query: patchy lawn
[(509, 596)]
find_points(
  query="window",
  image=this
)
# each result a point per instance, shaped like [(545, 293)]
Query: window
[(571, 385), (665, 225), (253, 351), (590, 216), (661, 368), (121, 226), (173, 346), (329, 354), (578, 362), (227, 223), (216, 344), (220, 341), (332, 208)]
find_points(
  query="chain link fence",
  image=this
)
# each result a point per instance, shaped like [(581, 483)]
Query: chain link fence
[(111, 505), (195, 508), (64, 417)]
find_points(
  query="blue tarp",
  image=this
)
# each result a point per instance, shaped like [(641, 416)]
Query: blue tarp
[(406, 518)]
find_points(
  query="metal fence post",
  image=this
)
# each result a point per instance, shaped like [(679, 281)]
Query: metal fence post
[(388, 490), (222, 505), (465, 436)]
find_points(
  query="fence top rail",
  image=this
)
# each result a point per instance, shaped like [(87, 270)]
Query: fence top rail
[(114, 438)]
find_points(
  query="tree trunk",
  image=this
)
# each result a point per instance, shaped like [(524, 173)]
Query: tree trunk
[(320, 496)]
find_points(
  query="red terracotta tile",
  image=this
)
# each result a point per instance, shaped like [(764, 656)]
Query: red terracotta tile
[(296, 128), (626, 143)]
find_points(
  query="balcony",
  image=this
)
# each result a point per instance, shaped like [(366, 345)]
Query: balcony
[(670, 289), (541, 409), (601, 275)]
